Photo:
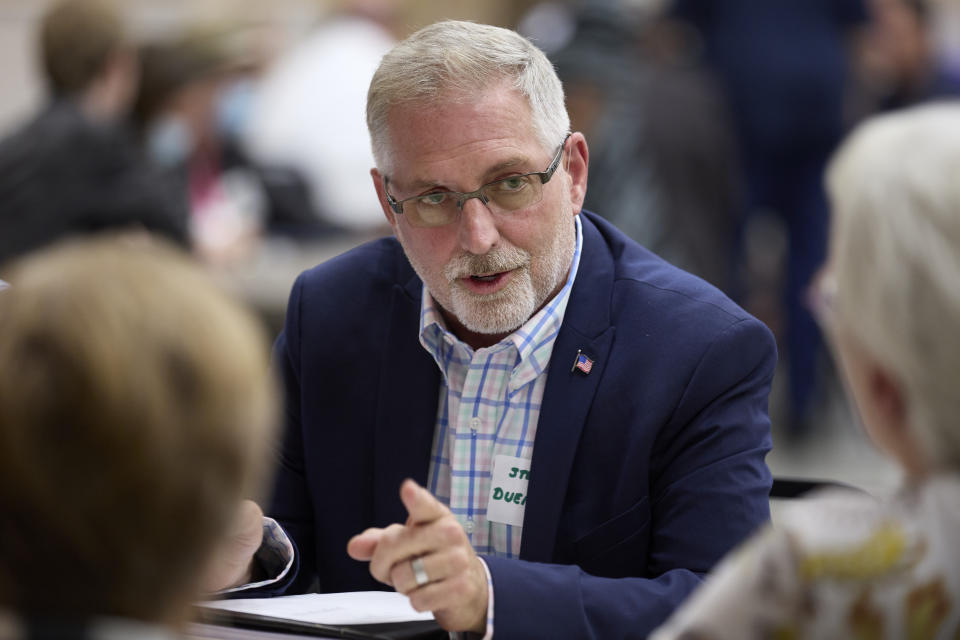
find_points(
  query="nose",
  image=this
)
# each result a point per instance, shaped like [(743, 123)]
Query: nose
[(477, 232)]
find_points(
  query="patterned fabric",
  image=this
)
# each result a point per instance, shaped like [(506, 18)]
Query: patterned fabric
[(841, 565), (489, 405), (275, 556)]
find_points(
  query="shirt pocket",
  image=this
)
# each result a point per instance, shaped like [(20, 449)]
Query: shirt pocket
[(618, 547)]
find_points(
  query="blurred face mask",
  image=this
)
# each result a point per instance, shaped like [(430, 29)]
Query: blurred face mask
[(169, 142), (234, 106)]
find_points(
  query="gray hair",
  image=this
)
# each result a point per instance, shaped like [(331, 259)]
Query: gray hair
[(895, 246), (458, 58)]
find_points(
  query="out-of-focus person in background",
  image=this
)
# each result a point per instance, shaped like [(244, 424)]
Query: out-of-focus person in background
[(194, 100), (785, 67), (309, 111), (898, 61), (136, 411), (661, 143), (843, 564), (74, 167)]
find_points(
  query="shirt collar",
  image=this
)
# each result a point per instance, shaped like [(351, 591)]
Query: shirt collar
[(533, 340)]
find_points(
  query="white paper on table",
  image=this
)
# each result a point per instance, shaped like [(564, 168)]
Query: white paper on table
[(352, 607)]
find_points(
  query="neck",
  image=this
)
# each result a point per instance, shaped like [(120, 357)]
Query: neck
[(471, 338), (97, 105)]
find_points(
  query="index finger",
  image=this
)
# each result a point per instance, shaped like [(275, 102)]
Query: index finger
[(421, 506)]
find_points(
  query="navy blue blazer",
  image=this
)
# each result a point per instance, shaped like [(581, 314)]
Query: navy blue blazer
[(645, 471)]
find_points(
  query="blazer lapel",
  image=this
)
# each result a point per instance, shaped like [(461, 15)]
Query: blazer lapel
[(569, 394), (407, 406)]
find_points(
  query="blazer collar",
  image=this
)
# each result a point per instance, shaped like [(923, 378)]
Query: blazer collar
[(407, 403), (569, 393)]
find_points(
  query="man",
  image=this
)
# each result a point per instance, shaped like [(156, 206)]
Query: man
[(73, 168), (588, 421)]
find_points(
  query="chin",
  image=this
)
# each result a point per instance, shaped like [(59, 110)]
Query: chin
[(502, 312), (495, 319)]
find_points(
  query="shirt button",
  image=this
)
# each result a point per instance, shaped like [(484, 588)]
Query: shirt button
[(469, 525), (475, 423)]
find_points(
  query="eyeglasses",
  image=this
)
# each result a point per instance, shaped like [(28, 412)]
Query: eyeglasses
[(512, 193)]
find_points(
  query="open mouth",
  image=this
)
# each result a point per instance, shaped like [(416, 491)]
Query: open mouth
[(488, 278), (487, 282)]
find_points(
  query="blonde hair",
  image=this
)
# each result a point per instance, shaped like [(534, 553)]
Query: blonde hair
[(454, 59), (136, 410), (895, 247)]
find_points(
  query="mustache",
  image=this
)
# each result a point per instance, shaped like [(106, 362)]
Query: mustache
[(501, 259)]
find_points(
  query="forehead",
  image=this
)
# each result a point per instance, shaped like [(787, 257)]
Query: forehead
[(459, 137)]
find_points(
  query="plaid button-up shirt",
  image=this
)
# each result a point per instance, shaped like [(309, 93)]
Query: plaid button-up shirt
[(489, 405)]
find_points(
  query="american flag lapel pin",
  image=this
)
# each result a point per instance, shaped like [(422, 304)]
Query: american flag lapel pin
[(583, 362)]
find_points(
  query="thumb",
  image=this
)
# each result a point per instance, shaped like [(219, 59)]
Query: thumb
[(363, 545), (421, 506)]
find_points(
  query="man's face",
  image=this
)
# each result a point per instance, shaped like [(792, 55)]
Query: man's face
[(489, 271)]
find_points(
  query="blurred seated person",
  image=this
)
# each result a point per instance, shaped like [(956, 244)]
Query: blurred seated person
[(73, 167), (135, 410), (846, 565), (193, 98), (661, 138), (898, 64), (298, 120)]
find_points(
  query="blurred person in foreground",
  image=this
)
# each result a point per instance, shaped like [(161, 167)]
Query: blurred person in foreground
[(844, 564), (135, 410), (74, 168), (576, 428)]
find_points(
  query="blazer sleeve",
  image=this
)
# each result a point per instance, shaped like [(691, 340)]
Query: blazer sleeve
[(290, 503), (708, 491)]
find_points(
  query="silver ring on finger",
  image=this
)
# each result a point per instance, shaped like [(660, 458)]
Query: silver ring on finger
[(419, 573)]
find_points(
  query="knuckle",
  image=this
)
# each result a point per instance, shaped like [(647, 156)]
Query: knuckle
[(392, 534), (390, 539), (376, 570), (396, 579), (417, 601), (460, 559), (462, 588), (451, 531)]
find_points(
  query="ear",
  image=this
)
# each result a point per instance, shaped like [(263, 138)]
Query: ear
[(892, 429), (576, 161), (382, 196), (887, 397)]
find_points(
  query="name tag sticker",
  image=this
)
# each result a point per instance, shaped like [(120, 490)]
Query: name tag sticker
[(508, 491)]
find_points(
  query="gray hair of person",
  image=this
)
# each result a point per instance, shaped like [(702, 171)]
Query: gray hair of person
[(895, 246), (456, 60)]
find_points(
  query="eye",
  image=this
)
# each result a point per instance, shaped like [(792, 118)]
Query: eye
[(513, 183), (433, 199)]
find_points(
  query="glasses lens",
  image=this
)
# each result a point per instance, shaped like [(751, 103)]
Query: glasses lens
[(433, 210), (515, 192)]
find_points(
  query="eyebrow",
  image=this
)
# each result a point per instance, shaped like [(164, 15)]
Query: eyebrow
[(489, 174)]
